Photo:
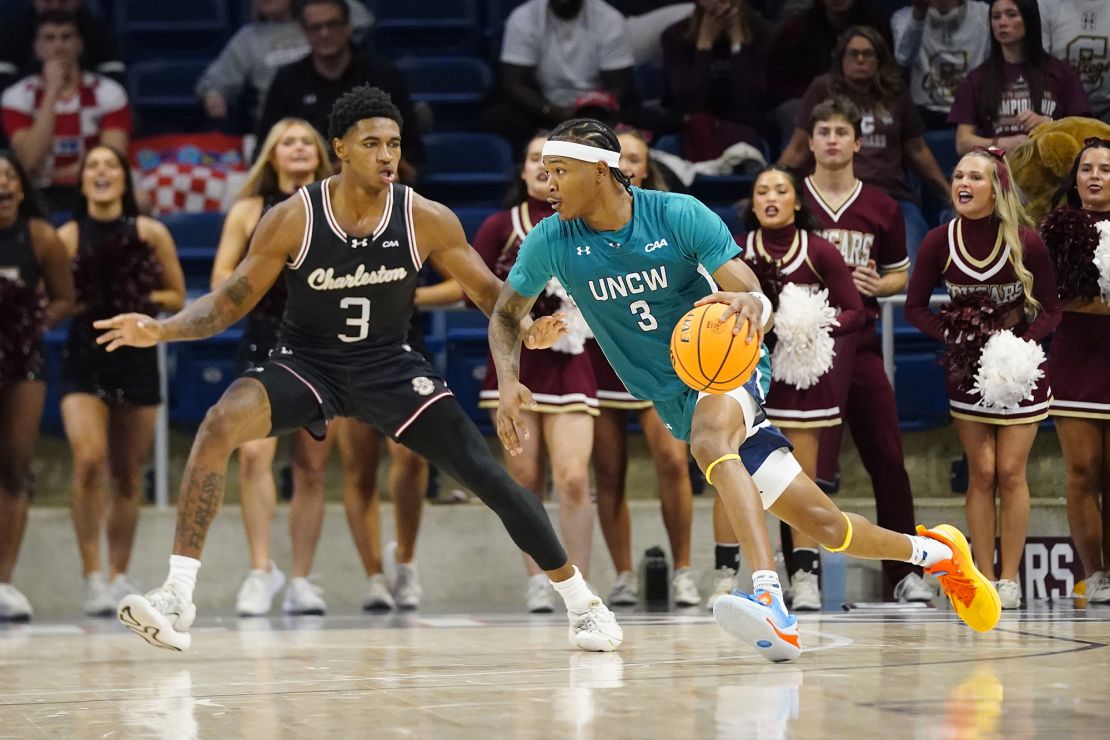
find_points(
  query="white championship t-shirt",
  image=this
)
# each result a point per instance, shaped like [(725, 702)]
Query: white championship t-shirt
[(1081, 36), (940, 50)]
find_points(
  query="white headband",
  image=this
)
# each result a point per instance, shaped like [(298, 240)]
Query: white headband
[(583, 152)]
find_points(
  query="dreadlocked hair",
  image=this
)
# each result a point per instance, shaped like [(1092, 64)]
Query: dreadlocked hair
[(591, 132), (358, 104)]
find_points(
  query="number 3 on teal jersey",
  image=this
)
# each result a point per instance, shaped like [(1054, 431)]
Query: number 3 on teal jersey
[(647, 322)]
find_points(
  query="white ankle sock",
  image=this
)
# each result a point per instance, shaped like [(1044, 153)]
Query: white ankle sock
[(576, 594), (767, 580), (183, 574), (927, 552)]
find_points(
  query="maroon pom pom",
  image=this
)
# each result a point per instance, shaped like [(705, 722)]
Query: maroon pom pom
[(770, 278), (1071, 239), (968, 321), (22, 314), (117, 277)]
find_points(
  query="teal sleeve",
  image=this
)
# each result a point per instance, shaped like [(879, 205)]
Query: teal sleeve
[(702, 233), (533, 268)]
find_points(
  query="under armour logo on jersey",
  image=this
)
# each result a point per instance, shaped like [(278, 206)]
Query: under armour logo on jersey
[(391, 243), (423, 386), (656, 245), (356, 243), (583, 250)]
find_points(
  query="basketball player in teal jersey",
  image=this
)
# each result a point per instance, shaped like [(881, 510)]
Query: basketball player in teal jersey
[(635, 261)]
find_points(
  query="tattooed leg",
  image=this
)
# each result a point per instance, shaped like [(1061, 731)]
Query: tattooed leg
[(241, 415)]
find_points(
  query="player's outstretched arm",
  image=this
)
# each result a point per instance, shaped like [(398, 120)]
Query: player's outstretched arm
[(276, 240), (504, 344)]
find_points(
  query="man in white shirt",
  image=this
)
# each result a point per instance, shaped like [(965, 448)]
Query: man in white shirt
[(554, 53), (940, 41), (1081, 35)]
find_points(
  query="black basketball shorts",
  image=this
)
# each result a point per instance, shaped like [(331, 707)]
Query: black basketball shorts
[(388, 388)]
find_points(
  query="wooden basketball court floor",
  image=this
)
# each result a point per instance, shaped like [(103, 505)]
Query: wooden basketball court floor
[(1044, 672)]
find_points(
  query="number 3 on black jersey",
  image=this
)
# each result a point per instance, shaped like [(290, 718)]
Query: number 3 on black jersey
[(361, 323)]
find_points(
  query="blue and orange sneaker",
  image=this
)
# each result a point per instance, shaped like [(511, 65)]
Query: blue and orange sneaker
[(974, 598), (760, 620)]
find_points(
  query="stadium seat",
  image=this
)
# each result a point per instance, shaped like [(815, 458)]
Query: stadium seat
[(919, 387), (472, 218), (198, 374), (649, 82), (195, 229), (454, 86), (427, 26), (146, 29), (466, 169), (942, 144), (161, 94), (466, 369)]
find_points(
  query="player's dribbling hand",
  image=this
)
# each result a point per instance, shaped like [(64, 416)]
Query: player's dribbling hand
[(745, 307), (511, 428), (546, 330), (128, 330)]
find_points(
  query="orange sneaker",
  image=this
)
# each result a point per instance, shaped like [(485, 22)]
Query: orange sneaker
[(972, 595)]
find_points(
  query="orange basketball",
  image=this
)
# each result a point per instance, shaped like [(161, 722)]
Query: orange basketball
[(706, 354)]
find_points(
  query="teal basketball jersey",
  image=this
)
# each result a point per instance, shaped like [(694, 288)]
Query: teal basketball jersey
[(634, 285)]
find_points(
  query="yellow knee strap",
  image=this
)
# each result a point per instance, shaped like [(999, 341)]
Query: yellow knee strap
[(721, 459), (847, 537)]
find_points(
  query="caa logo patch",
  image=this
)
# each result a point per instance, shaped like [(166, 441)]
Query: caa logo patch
[(656, 245), (423, 386)]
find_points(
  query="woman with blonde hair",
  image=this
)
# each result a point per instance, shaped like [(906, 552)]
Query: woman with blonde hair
[(999, 275)]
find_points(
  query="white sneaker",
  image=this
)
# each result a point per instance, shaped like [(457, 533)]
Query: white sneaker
[(162, 617), (1100, 594), (304, 597), (14, 606), (806, 592), (98, 597), (595, 629), (121, 587), (684, 587), (377, 597), (540, 597), (403, 580), (724, 580), (626, 591), (913, 588), (760, 620), (1009, 594), (257, 593)]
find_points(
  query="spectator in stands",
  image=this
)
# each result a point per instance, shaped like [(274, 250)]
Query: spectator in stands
[(31, 258), (1019, 86), (292, 156), (803, 45), (864, 72), (713, 63), (555, 54), (939, 42), (122, 262), (53, 118), (100, 52), (989, 252), (1077, 364), (561, 380), (308, 88), (245, 68), (1082, 37), (610, 452)]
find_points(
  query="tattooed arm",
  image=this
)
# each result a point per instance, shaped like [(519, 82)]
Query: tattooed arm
[(504, 344), (276, 241)]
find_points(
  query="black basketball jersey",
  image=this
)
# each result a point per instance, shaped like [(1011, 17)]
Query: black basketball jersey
[(351, 292), (17, 255)]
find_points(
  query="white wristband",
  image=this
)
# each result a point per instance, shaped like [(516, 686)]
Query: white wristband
[(766, 315)]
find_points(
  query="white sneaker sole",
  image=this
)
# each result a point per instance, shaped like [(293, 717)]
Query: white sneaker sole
[(137, 614), (749, 623), (596, 641)]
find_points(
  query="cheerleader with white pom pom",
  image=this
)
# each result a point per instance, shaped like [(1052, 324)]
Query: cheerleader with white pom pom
[(818, 301), (990, 251), (1079, 240)]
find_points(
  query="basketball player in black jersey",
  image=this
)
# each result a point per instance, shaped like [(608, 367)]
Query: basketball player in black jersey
[(350, 248)]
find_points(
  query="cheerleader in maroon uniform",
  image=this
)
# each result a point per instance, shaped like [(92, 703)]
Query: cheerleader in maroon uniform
[(866, 225), (669, 455), (1079, 357), (561, 380), (31, 257), (989, 252), (783, 248), (122, 262)]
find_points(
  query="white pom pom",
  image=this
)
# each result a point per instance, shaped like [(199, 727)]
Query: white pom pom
[(1102, 259), (1009, 369), (803, 324), (574, 341)]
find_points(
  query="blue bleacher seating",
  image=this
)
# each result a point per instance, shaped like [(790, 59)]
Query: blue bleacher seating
[(161, 93), (196, 27), (454, 86), (198, 374), (649, 82), (196, 236), (427, 26), (472, 218), (942, 143), (919, 386), (466, 369), (466, 169)]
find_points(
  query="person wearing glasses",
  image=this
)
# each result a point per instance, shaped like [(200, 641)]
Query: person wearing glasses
[(309, 87), (864, 72)]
